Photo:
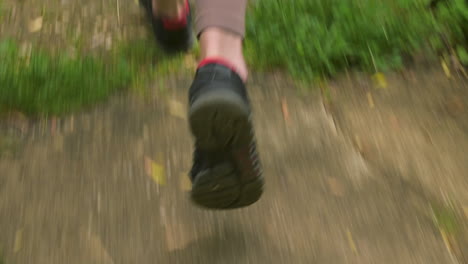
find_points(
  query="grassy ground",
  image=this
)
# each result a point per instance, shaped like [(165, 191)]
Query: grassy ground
[(309, 38), (40, 83), (316, 38), (37, 83)]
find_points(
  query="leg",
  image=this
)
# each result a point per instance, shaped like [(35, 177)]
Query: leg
[(220, 25), (226, 173)]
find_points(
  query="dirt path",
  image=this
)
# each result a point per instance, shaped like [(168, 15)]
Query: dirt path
[(77, 192)]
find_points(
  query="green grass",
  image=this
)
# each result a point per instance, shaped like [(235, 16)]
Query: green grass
[(41, 84), (315, 38)]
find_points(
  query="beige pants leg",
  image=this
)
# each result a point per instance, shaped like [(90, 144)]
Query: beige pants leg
[(225, 14)]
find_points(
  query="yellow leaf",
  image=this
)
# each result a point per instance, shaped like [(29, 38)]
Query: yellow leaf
[(18, 240), (446, 240), (158, 175), (370, 100), (446, 69), (155, 171), (35, 25), (351, 241), (380, 80), (185, 184), (465, 210)]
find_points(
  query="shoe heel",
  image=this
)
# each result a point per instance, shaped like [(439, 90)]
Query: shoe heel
[(219, 120)]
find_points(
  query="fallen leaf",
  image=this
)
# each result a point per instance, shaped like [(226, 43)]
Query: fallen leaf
[(185, 183), (452, 245), (155, 171), (380, 80), (285, 110), (35, 25), (370, 100), (177, 109), (351, 243), (18, 240), (445, 238), (465, 210), (447, 242), (158, 174), (446, 69)]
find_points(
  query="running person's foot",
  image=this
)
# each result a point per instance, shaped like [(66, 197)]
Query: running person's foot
[(226, 173), (173, 34)]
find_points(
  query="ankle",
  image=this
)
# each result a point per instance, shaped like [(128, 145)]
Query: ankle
[(225, 48)]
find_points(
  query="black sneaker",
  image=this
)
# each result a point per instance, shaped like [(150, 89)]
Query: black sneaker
[(226, 172), (172, 36)]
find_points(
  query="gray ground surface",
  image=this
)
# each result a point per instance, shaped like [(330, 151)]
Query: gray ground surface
[(76, 191)]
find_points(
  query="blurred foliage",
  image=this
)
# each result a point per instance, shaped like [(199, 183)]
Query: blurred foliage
[(38, 83), (446, 218), (316, 38)]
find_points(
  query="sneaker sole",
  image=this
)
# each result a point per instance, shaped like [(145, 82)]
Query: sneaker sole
[(220, 121)]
